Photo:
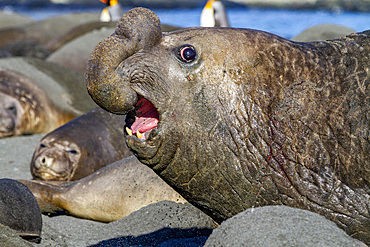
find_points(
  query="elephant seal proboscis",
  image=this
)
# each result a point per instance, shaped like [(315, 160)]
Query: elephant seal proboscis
[(243, 118), (108, 194), (80, 147), (19, 210)]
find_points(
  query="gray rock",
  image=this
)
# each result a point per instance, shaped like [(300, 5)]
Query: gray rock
[(279, 226), (10, 238), (19, 209), (163, 223)]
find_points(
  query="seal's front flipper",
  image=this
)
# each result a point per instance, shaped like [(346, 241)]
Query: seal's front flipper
[(47, 195)]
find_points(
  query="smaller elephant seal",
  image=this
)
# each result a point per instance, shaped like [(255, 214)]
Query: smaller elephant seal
[(25, 108), (80, 147), (323, 32), (19, 210), (25, 48), (108, 194)]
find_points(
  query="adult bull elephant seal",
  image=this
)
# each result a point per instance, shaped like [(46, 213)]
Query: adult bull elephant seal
[(108, 194), (80, 147), (19, 210), (239, 118)]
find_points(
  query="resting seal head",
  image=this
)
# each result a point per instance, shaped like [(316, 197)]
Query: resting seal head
[(80, 147), (25, 108), (243, 118)]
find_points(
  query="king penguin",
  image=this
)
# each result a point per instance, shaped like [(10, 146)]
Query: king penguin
[(214, 15), (113, 11)]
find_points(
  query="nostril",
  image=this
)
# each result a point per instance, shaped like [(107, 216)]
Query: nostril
[(44, 161)]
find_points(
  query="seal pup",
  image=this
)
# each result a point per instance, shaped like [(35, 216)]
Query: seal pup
[(80, 147), (19, 210), (240, 118), (25, 108), (108, 194)]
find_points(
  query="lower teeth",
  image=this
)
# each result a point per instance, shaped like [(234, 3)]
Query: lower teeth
[(138, 134)]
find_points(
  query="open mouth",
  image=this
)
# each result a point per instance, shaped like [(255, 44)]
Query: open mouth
[(141, 121)]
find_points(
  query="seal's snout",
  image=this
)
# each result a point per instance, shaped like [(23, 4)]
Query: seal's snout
[(137, 29), (7, 124), (141, 26), (43, 162)]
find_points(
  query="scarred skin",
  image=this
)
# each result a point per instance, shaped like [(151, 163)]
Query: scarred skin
[(252, 120)]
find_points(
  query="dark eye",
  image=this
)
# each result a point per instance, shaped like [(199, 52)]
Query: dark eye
[(187, 53), (72, 151), (12, 109)]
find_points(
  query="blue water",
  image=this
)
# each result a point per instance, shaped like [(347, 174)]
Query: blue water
[(286, 23)]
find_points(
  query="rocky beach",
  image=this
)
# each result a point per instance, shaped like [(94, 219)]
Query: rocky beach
[(164, 223), (168, 223)]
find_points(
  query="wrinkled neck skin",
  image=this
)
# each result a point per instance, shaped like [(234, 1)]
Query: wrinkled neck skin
[(279, 120), (259, 120)]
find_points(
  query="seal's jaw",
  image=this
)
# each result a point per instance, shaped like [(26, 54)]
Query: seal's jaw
[(142, 129), (151, 133)]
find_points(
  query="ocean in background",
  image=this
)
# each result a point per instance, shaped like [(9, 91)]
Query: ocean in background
[(285, 23)]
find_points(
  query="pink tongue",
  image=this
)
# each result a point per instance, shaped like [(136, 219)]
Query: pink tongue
[(147, 117)]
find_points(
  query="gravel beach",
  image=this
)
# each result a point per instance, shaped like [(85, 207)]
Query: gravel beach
[(168, 223), (164, 223)]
